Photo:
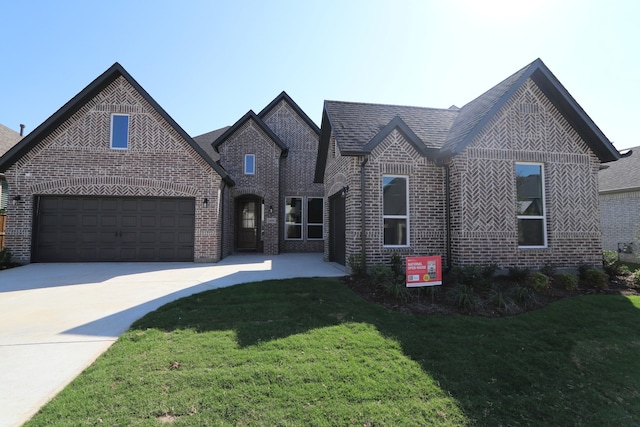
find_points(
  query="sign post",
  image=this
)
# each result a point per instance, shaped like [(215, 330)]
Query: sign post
[(424, 271)]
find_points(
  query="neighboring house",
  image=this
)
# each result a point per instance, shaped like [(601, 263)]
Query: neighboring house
[(111, 177), (510, 179), (8, 138), (620, 204)]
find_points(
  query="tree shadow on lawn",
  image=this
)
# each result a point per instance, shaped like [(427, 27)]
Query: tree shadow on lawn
[(574, 362)]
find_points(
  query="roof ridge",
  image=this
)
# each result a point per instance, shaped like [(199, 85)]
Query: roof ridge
[(389, 105)]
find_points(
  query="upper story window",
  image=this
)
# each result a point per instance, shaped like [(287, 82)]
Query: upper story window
[(531, 212), (395, 210), (249, 164), (119, 131)]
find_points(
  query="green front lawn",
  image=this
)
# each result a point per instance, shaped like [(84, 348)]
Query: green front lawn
[(308, 352)]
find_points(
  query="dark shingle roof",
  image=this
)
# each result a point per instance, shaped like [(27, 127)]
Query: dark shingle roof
[(621, 175), (206, 139), (355, 124)]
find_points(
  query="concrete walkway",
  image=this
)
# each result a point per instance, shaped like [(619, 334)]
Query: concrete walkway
[(56, 319)]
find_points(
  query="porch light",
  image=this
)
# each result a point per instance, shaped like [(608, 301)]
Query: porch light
[(205, 202)]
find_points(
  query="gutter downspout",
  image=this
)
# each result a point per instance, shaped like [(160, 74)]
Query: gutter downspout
[(363, 196)]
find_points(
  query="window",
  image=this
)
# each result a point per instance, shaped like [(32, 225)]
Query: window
[(315, 218), (119, 131), (293, 218), (249, 164), (304, 218), (395, 210), (530, 206)]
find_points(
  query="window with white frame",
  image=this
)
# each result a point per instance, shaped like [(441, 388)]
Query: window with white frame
[(293, 218), (315, 218), (531, 214), (119, 131), (249, 164), (395, 210)]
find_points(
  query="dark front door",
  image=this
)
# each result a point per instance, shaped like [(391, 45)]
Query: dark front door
[(87, 228), (337, 251), (248, 212)]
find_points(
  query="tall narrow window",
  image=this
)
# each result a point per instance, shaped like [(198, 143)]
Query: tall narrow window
[(395, 210), (293, 218), (119, 131), (315, 218), (531, 209), (249, 164)]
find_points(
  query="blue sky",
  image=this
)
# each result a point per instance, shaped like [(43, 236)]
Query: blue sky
[(208, 62)]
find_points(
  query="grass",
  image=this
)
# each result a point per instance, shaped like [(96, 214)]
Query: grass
[(310, 352)]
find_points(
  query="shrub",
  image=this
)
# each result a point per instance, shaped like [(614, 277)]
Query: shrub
[(381, 275), (5, 258), (397, 268), (595, 279), (539, 282), (502, 301), (356, 262), (635, 277), (473, 276), (462, 296), (610, 263), (566, 281), (519, 275), (523, 296)]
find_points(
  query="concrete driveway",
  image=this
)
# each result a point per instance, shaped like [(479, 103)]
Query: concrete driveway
[(56, 319)]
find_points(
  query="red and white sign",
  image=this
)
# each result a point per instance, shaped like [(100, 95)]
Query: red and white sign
[(424, 271)]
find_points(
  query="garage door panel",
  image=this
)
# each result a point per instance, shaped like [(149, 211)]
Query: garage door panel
[(86, 228)]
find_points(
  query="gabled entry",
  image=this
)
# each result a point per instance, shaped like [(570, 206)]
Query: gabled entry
[(248, 221)]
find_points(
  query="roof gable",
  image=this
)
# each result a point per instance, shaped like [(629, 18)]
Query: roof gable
[(475, 115), (251, 116), (409, 135), (286, 98), (81, 99)]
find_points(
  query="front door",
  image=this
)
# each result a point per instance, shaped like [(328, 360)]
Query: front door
[(248, 223)]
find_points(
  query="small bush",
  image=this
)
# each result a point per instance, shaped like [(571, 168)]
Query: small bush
[(523, 296), (356, 262), (5, 258), (635, 277), (595, 279), (566, 281), (502, 301), (539, 282), (381, 275), (463, 296), (520, 275), (473, 276), (610, 263)]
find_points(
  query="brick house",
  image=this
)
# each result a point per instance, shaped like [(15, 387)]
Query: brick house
[(8, 138), (511, 178), (111, 177), (619, 185)]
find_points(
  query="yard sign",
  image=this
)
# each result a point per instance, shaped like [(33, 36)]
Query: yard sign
[(424, 271)]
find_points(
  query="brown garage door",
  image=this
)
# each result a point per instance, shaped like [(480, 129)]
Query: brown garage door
[(85, 228)]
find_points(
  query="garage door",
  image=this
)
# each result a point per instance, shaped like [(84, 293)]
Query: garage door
[(84, 228)]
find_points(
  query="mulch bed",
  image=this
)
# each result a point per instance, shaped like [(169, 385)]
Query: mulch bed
[(425, 301)]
